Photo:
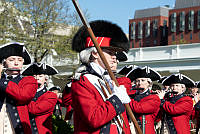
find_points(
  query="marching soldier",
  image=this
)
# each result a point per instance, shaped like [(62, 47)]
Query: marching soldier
[(178, 108), (42, 105), (197, 116), (16, 91), (144, 105), (195, 93), (57, 109), (67, 102), (196, 106), (93, 112)]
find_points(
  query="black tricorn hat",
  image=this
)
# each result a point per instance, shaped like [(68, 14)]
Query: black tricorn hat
[(125, 69), (162, 79), (121, 56), (197, 84), (179, 78), (15, 49), (144, 72), (108, 35), (39, 68)]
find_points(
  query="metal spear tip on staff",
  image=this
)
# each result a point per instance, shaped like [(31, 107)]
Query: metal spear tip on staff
[(93, 38)]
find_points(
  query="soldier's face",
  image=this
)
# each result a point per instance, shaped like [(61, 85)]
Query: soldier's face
[(14, 62), (142, 83), (41, 79), (110, 57), (177, 87), (194, 90)]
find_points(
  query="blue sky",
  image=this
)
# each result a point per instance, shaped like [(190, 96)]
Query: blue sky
[(119, 11)]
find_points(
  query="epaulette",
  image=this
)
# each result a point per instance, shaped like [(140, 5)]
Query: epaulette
[(80, 74)]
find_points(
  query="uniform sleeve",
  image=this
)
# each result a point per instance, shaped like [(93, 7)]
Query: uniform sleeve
[(24, 91), (197, 106), (44, 105), (66, 98), (126, 82), (182, 106), (150, 105), (93, 109), (193, 115)]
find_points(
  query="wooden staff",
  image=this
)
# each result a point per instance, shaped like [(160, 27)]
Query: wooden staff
[(106, 96), (93, 38), (110, 92)]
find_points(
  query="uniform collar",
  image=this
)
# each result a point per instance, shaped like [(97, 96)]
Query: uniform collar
[(13, 76), (97, 68), (144, 91), (39, 89)]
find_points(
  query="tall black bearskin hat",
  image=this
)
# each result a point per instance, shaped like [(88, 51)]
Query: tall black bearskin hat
[(15, 49), (39, 68), (144, 72), (108, 35), (178, 78)]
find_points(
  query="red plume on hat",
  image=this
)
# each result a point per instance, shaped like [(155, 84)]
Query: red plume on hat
[(108, 35)]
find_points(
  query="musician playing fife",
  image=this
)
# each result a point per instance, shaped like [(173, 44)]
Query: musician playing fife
[(42, 105), (93, 112), (15, 91), (196, 107), (144, 105), (178, 108)]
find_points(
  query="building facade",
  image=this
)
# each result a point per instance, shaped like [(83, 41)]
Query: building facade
[(184, 22), (163, 26), (149, 27)]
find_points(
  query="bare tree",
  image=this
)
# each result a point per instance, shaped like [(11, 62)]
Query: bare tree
[(31, 21)]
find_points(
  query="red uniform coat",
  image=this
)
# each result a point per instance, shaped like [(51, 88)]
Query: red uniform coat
[(42, 109), (148, 106), (19, 91), (67, 102), (91, 112), (180, 112)]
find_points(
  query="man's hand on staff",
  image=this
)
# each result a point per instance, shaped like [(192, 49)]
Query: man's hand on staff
[(121, 93)]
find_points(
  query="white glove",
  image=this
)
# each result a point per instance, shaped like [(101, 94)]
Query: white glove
[(161, 94), (121, 93)]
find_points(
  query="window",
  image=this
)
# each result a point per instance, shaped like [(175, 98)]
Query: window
[(140, 44), (199, 35), (181, 36), (173, 22), (132, 44), (182, 21), (173, 37), (165, 23), (164, 28), (198, 19), (147, 43), (147, 28), (191, 20), (155, 28), (155, 42), (132, 34), (140, 30)]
